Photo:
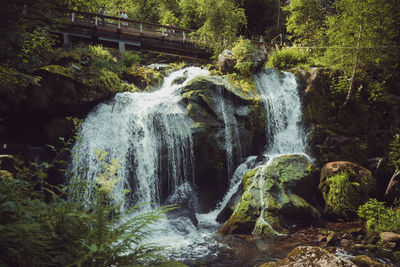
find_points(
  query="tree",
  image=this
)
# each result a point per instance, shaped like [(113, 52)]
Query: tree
[(363, 37), (306, 22), (222, 20)]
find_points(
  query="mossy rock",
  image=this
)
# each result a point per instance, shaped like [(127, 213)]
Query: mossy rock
[(274, 198), (345, 186), (202, 97), (143, 78)]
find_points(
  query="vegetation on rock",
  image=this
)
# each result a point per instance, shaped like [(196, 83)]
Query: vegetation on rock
[(345, 187), (274, 198)]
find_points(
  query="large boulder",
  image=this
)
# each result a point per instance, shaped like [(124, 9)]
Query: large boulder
[(345, 186), (310, 256), (218, 109), (226, 61), (276, 196), (60, 93)]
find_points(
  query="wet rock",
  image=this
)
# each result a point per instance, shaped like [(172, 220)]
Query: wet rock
[(345, 186), (361, 248), (332, 239), (226, 61), (249, 164), (365, 261), (186, 206), (179, 80), (202, 97), (274, 198), (390, 239), (305, 256)]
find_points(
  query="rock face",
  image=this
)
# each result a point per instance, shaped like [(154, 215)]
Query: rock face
[(345, 186), (226, 61), (276, 196), (59, 95), (218, 109), (305, 256)]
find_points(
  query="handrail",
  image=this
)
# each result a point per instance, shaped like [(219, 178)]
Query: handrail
[(128, 20)]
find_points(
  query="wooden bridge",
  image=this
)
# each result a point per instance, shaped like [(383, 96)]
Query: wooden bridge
[(128, 34)]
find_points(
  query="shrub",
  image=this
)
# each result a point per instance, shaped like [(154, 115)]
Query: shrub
[(379, 218), (243, 51), (40, 227), (394, 152), (287, 58)]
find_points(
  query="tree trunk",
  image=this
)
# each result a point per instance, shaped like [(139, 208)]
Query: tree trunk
[(350, 93)]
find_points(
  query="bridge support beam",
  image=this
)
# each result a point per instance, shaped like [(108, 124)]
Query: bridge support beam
[(121, 47), (65, 38)]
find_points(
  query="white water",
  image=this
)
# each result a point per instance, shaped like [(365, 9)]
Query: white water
[(150, 134), (231, 131), (279, 93)]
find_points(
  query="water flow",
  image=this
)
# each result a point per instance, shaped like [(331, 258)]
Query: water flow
[(149, 133), (279, 93), (231, 133)]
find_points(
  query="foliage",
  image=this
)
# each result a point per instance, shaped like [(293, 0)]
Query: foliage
[(338, 87), (245, 83), (394, 152), (286, 58), (243, 50), (305, 21), (13, 83), (221, 22), (40, 227), (379, 218)]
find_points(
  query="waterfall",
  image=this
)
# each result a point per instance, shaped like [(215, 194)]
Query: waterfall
[(279, 93), (149, 132), (231, 133)]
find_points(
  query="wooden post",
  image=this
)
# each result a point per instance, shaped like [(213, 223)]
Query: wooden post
[(141, 27), (96, 21), (184, 36), (73, 17)]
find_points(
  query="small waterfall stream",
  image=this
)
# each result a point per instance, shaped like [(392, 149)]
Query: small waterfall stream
[(150, 133)]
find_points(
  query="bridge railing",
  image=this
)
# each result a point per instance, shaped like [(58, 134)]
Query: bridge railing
[(130, 26)]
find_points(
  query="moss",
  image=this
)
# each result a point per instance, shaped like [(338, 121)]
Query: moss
[(343, 195), (142, 77), (56, 69)]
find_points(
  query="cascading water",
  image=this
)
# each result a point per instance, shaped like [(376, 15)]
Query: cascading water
[(231, 133), (278, 91), (150, 134)]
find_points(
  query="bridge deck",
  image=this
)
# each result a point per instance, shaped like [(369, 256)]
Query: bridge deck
[(127, 34)]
